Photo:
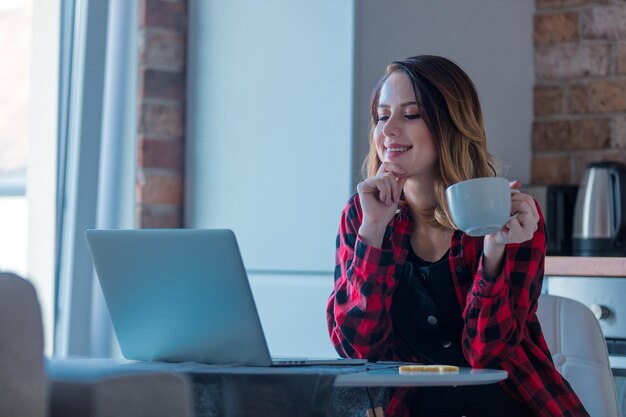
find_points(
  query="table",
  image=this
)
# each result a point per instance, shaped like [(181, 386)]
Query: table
[(390, 377), (295, 391)]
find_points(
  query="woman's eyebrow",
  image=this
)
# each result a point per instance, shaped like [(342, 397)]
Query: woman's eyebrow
[(408, 103)]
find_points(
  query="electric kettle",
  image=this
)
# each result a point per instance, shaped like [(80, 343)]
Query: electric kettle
[(600, 211)]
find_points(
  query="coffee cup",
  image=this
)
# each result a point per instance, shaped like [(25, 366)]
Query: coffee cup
[(480, 206)]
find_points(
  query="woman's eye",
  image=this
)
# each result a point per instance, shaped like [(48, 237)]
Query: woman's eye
[(382, 118), (413, 116)]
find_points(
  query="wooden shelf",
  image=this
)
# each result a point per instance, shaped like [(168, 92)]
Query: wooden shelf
[(587, 266)]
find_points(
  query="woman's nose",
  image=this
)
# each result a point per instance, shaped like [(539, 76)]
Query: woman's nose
[(391, 127)]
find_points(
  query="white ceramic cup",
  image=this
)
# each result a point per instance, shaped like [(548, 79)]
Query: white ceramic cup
[(480, 206)]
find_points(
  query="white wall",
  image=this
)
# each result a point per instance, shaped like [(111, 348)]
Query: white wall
[(490, 39), (269, 149), (270, 126)]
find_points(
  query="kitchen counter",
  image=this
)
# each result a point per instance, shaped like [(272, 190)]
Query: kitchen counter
[(586, 266)]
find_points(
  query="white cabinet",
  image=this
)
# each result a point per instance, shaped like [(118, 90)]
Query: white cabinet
[(269, 149), (270, 126)]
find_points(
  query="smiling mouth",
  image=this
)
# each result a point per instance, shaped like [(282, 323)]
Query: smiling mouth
[(396, 150)]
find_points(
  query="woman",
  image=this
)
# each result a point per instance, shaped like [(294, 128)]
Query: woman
[(409, 287)]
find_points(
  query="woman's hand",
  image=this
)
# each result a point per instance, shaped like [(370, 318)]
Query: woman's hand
[(520, 228), (379, 197), (524, 220)]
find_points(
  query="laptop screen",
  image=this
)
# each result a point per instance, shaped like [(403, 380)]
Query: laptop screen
[(179, 295)]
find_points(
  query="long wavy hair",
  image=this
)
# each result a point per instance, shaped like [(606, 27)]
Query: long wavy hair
[(450, 107)]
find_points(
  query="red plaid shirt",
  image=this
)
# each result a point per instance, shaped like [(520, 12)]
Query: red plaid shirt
[(501, 328)]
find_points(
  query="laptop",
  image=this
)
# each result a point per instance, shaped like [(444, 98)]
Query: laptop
[(180, 295)]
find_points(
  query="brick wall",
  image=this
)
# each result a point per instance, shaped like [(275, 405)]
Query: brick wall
[(580, 91), (161, 113)]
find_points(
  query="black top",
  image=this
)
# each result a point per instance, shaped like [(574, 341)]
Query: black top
[(426, 312), (426, 316)]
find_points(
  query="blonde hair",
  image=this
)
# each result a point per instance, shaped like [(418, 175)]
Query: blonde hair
[(449, 105)]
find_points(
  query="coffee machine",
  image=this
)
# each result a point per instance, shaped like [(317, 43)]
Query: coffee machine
[(600, 211), (557, 205)]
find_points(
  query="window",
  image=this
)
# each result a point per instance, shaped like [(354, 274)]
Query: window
[(15, 48), (29, 38)]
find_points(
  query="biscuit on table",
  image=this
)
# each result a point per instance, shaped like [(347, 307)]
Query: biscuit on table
[(428, 368)]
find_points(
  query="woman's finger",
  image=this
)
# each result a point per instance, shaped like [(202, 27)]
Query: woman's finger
[(383, 190), (395, 172), (530, 202), (392, 185), (521, 205), (368, 186), (386, 185), (401, 181), (525, 206), (521, 231), (515, 231), (515, 184), (525, 220)]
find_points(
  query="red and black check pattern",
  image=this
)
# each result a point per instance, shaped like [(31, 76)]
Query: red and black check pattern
[(501, 328)]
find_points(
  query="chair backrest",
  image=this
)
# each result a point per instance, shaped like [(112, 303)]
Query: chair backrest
[(22, 375), (579, 352)]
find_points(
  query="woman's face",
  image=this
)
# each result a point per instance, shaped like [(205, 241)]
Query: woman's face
[(401, 135)]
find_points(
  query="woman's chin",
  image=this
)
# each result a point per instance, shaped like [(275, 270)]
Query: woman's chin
[(395, 161)]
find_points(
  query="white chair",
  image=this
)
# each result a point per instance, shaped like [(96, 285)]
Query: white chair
[(579, 352)]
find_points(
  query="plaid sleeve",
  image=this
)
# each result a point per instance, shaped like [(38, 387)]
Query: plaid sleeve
[(358, 316), (498, 308)]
